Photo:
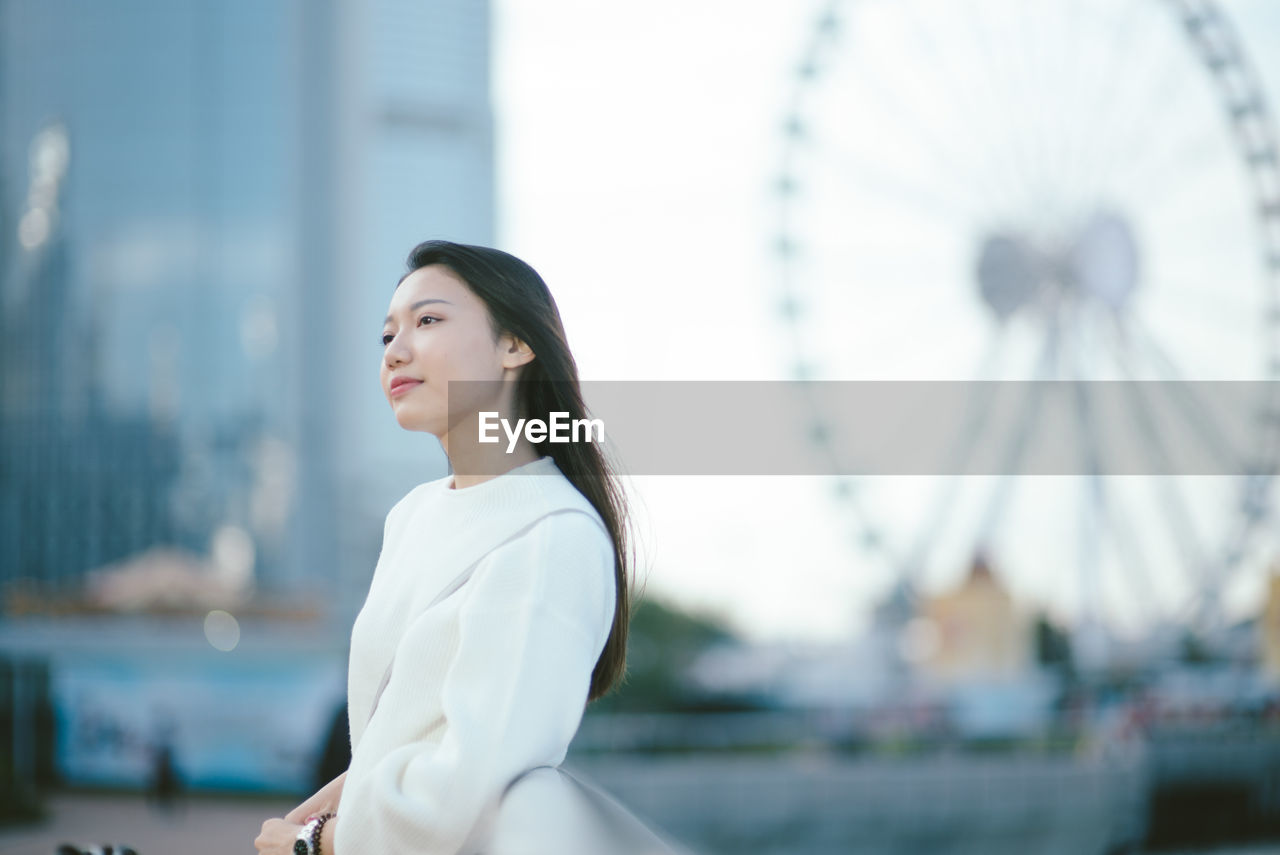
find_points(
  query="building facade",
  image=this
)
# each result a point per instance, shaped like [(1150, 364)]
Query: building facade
[(204, 208)]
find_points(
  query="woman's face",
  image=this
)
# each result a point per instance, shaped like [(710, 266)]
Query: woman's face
[(438, 330)]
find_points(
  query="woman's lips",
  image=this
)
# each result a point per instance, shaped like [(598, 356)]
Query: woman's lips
[(404, 386)]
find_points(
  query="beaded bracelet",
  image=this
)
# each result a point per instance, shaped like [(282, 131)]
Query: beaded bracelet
[(315, 838), (311, 845)]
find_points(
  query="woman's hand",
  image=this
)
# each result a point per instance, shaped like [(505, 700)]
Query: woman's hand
[(277, 837), (324, 801), (278, 834)]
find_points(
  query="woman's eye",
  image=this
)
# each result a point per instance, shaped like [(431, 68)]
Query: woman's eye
[(386, 337)]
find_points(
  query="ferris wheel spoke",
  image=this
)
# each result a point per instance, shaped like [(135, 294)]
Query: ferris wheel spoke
[(1110, 83), (1051, 122), (1079, 95), (1244, 531), (1229, 312), (952, 81), (1062, 63), (1136, 568), (974, 420), (1110, 511), (958, 176), (1181, 523), (970, 180), (1145, 113), (1187, 610), (1017, 448), (893, 186), (1041, 113), (1192, 409), (1174, 171), (1027, 148), (1154, 115), (1011, 157), (1009, 79)]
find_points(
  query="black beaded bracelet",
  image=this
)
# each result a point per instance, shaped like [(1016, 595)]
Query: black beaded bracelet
[(310, 844), (315, 835)]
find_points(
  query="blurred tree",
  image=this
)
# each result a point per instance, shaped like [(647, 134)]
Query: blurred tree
[(662, 643), (1194, 650), (1052, 645)]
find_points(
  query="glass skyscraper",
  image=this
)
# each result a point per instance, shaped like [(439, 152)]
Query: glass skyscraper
[(204, 207)]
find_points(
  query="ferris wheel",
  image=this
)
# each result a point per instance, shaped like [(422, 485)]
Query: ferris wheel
[(1078, 190)]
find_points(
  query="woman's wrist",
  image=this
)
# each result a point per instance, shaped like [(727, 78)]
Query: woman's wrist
[(311, 836), (326, 836)]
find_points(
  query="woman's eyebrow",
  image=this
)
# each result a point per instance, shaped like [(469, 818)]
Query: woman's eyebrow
[(419, 304)]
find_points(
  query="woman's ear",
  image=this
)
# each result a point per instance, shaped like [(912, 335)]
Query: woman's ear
[(514, 352)]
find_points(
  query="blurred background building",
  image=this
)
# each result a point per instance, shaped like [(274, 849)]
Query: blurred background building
[(205, 208), (980, 633)]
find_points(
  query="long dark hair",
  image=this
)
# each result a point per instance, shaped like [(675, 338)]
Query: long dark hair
[(520, 303)]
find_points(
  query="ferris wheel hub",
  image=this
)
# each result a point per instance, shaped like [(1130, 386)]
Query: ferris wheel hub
[(1104, 259), (1016, 271)]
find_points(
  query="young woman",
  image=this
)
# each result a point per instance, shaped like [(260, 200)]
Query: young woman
[(492, 679)]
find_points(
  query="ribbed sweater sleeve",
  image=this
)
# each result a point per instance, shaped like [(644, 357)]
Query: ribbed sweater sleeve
[(531, 623)]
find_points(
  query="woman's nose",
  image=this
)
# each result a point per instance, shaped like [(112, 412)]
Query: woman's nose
[(396, 353)]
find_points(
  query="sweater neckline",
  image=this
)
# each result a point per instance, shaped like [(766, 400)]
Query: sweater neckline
[(544, 465)]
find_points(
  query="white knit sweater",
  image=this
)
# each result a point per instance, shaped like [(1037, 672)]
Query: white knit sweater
[(490, 681)]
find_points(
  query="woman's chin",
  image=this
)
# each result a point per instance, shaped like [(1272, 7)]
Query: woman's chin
[(415, 422), (408, 419)]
